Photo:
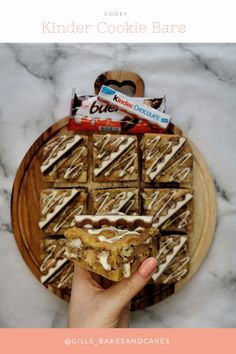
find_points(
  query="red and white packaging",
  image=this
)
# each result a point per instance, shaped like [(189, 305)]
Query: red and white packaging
[(89, 113)]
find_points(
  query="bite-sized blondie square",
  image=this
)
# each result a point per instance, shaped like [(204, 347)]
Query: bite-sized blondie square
[(113, 253), (52, 257), (172, 209), (63, 278), (173, 259), (166, 159), (117, 200), (59, 207), (65, 159), (115, 158)]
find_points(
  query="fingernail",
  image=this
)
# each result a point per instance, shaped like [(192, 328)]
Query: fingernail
[(147, 267)]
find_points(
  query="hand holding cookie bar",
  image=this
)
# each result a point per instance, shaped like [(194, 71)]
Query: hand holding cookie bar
[(111, 252)]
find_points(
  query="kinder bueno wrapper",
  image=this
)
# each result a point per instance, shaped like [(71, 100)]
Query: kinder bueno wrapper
[(135, 109), (90, 113)]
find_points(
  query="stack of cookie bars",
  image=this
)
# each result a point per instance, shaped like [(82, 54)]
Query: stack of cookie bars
[(95, 174)]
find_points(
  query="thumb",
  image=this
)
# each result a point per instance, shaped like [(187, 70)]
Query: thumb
[(119, 294)]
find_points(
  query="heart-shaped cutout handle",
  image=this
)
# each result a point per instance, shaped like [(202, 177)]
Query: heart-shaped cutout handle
[(127, 82)]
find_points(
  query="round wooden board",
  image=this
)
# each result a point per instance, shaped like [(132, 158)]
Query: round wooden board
[(26, 213)]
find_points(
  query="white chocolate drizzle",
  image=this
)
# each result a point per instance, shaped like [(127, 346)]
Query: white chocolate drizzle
[(165, 156), (106, 157), (181, 220), (179, 272), (53, 260), (179, 171), (121, 233), (76, 165), (58, 146), (97, 232), (51, 199), (164, 247), (55, 251), (114, 204), (66, 277), (127, 169), (118, 237), (59, 200), (155, 200), (129, 205), (158, 219), (169, 257), (52, 270), (65, 218), (152, 147)]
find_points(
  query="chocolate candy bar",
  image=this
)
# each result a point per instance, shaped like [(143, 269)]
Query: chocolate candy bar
[(128, 105)]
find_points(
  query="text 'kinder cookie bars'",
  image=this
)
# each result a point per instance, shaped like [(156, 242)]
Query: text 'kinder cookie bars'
[(90, 113)]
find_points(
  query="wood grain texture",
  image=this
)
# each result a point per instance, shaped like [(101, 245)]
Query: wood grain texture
[(128, 82), (25, 216)]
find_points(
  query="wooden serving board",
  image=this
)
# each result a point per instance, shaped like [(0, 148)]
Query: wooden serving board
[(26, 213)]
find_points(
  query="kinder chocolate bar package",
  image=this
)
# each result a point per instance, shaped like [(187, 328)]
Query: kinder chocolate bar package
[(90, 113), (136, 109)]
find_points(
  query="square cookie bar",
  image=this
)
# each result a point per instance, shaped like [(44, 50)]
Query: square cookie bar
[(65, 159), (115, 158), (117, 200), (53, 261), (59, 207), (63, 278), (166, 159), (172, 209), (173, 259), (113, 253)]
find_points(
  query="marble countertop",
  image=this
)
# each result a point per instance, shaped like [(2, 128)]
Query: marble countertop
[(200, 84)]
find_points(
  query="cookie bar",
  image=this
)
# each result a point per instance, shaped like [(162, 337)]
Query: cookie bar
[(113, 253), (115, 158), (173, 259), (59, 207), (52, 257), (63, 278), (166, 159), (65, 159), (119, 200), (172, 209)]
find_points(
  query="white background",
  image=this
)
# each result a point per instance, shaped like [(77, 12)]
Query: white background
[(205, 21)]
